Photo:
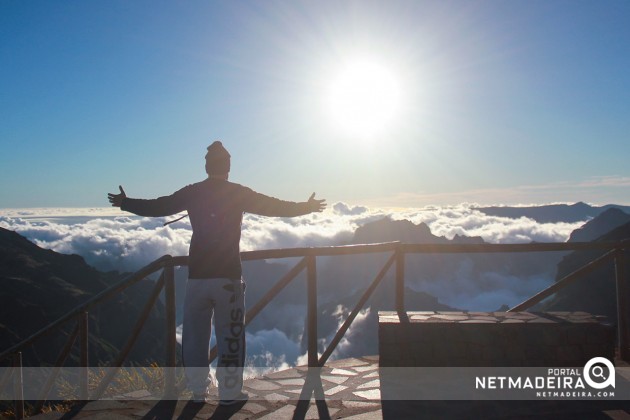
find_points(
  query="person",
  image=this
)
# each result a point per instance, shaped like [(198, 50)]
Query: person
[(215, 285)]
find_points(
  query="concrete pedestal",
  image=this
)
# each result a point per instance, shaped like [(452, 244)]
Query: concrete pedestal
[(510, 339)]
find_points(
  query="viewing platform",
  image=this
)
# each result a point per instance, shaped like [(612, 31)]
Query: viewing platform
[(360, 388), (348, 389)]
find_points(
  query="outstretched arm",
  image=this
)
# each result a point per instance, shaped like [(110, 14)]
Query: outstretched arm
[(269, 206), (158, 207)]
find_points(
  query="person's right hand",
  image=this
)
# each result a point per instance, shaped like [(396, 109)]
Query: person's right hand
[(117, 199)]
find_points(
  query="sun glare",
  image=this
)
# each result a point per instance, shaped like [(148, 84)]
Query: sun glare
[(364, 98)]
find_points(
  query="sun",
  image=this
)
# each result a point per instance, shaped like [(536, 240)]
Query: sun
[(363, 98)]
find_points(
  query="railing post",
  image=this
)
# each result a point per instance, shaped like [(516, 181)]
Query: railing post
[(135, 332), (623, 305), (311, 279), (18, 386), (400, 280), (84, 358), (364, 298), (171, 343)]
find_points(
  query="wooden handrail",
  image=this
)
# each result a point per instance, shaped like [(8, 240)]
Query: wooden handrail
[(322, 251), (124, 351), (308, 257), (623, 304), (405, 248), (565, 281), (331, 251), (353, 314), (90, 303)]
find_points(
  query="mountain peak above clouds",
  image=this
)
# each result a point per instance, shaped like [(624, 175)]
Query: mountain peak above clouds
[(552, 213), (389, 230), (600, 225)]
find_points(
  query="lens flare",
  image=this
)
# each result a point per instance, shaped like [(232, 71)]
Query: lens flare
[(364, 98)]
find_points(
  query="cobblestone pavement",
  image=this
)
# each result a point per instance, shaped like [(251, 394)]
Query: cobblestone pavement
[(348, 389)]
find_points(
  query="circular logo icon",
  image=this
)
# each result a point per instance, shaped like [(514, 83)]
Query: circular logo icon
[(604, 376)]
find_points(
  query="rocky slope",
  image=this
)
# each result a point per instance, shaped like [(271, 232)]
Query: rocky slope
[(595, 292), (37, 286)]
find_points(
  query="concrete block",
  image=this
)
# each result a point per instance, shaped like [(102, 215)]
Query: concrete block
[(492, 339)]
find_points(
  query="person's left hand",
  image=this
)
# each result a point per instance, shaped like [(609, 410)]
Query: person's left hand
[(117, 199), (316, 205)]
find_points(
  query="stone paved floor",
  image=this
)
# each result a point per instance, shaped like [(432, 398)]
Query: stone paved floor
[(493, 317), (348, 389)]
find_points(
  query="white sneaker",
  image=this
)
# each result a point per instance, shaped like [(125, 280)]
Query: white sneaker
[(199, 398), (241, 397)]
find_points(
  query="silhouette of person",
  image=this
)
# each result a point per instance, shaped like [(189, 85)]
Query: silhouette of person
[(215, 284)]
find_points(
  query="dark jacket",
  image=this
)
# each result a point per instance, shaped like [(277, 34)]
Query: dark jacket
[(216, 210)]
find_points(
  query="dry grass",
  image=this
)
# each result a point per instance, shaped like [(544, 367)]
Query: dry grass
[(126, 380)]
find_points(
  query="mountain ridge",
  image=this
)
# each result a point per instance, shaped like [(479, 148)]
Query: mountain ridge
[(596, 291), (552, 213), (40, 285)]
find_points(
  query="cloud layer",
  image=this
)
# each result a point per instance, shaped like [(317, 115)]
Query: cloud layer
[(110, 240)]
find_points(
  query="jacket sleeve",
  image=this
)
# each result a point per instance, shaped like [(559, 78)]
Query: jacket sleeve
[(157, 207), (265, 205)]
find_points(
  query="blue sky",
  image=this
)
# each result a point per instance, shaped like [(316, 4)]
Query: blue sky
[(500, 101)]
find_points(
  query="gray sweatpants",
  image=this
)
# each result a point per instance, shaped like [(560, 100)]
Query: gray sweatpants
[(225, 299)]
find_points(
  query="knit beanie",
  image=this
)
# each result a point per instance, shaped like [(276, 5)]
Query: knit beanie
[(217, 159)]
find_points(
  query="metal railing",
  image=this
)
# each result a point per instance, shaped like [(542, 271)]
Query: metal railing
[(614, 251)]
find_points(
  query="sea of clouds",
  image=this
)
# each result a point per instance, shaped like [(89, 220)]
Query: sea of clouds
[(113, 240), (109, 239)]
